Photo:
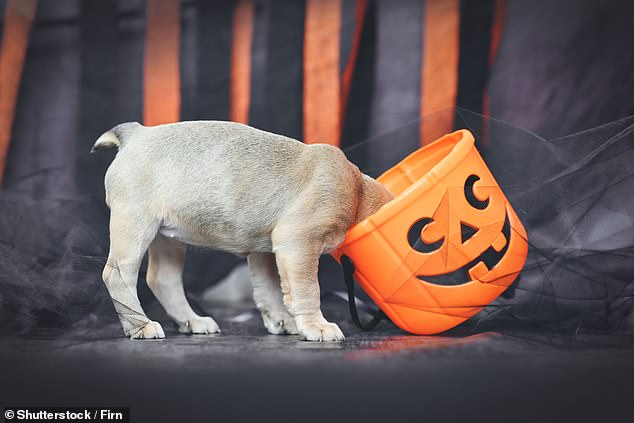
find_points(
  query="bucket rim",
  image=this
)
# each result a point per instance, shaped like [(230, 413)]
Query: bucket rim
[(461, 149)]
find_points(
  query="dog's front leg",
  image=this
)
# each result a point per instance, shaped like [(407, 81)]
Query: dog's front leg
[(298, 265), (267, 293)]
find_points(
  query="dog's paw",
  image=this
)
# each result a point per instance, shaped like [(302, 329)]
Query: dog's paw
[(320, 330), (151, 330), (199, 326), (279, 324)]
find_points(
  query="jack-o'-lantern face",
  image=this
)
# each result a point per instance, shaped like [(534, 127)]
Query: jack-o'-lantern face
[(465, 238)]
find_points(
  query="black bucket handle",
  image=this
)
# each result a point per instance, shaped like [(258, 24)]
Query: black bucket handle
[(348, 272)]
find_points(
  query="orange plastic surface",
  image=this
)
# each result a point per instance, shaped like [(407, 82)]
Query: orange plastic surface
[(402, 252)]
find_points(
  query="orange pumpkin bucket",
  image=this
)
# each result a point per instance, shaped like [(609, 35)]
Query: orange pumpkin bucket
[(445, 247)]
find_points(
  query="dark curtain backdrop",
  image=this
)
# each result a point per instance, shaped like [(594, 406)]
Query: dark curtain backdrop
[(559, 67)]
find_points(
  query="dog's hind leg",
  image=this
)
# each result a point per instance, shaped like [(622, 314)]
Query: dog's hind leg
[(267, 293), (165, 279), (130, 236)]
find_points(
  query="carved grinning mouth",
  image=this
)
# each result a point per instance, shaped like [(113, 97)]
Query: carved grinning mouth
[(490, 257)]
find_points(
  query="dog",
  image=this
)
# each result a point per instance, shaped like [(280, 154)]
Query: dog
[(235, 188)]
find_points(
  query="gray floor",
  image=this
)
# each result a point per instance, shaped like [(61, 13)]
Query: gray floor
[(245, 375)]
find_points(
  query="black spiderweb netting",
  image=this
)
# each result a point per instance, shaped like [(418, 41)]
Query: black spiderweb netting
[(574, 196)]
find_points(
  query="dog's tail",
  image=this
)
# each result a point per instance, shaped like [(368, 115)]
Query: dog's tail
[(116, 137)]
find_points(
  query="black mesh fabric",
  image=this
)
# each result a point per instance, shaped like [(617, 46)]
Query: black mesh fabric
[(51, 258), (574, 197)]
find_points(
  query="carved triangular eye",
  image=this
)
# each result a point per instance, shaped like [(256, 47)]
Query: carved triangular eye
[(467, 231)]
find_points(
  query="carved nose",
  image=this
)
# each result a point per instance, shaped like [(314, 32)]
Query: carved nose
[(467, 231)]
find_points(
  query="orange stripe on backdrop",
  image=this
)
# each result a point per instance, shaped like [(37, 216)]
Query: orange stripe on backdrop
[(499, 14), (322, 83), (18, 19), (161, 70), (240, 96), (361, 6), (441, 29)]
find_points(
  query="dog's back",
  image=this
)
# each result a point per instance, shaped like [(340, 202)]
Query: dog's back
[(229, 183)]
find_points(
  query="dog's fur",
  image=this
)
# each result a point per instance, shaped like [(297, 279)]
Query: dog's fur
[(234, 188)]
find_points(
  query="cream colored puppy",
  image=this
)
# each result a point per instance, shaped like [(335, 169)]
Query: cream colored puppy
[(230, 187)]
